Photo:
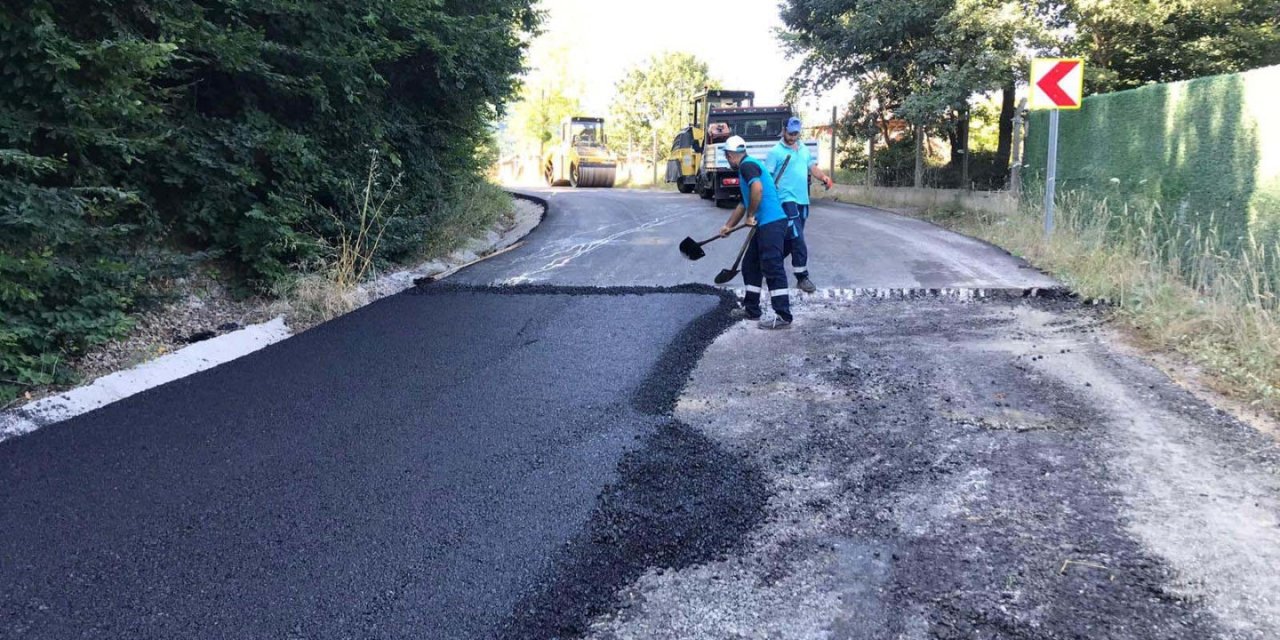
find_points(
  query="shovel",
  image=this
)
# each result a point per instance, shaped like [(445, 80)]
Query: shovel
[(692, 249), (727, 275)]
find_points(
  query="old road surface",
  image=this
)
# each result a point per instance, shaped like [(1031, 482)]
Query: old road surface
[(593, 448)]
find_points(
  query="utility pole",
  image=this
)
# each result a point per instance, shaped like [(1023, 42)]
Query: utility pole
[(655, 157), (964, 149), (919, 156), (833, 142), (871, 157)]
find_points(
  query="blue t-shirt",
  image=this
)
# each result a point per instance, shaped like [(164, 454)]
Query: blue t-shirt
[(794, 186), (770, 209)]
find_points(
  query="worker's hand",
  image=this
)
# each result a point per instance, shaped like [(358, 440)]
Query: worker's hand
[(725, 231), (751, 221), (826, 180)]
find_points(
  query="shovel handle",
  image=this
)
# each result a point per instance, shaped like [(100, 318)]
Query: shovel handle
[(717, 237), (743, 251)]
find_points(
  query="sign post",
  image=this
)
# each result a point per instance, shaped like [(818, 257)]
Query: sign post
[(1056, 84)]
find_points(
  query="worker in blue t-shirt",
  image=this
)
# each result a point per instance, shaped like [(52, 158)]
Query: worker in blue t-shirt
[(764, 257), (793, 190)]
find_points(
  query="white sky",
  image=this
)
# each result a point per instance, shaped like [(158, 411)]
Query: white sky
[(607, 37)]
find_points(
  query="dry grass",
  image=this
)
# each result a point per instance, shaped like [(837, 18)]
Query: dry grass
[(474, 210), (1177, 288), (333, 285)]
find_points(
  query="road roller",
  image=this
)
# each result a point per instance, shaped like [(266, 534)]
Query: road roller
[(580, 158)]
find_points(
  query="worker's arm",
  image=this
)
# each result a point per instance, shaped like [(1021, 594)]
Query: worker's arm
[(817, 173)]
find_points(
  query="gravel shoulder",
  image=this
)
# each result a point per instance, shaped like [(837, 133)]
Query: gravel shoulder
[(984, 470)]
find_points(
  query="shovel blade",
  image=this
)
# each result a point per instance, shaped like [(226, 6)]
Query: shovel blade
[(726, 275), (691, 249)]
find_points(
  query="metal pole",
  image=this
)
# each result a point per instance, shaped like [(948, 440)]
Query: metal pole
[(1051, 174), (833, 143)]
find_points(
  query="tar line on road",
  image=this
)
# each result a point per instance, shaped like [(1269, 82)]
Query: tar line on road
[(450, 463)]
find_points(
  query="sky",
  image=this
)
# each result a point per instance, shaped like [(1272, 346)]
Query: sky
[(604, 38)]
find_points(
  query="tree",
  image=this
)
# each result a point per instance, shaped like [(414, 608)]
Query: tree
[(922, 60), (1130, 43), (550, 94), (653, 98)]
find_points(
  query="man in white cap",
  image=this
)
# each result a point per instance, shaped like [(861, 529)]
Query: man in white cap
[(793, 190), (764, 257)]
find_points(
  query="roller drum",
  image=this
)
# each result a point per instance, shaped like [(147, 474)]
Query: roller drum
[(597, 177)]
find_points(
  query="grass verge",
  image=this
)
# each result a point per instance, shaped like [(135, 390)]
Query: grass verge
[(1176, 288), (333, 287)]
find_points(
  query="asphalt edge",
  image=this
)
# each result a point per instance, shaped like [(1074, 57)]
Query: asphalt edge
[(27, 418), (679, 500)]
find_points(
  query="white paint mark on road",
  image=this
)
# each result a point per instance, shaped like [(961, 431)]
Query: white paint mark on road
[(559, 258)]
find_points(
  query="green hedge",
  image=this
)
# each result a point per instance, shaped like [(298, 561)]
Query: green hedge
[(135, 134), (1207, 151)]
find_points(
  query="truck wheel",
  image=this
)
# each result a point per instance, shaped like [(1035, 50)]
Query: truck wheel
[(574, 180), (707, 192), (684, 187), (726, 203)]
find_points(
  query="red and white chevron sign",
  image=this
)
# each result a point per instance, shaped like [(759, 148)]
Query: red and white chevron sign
[(1057, 83)]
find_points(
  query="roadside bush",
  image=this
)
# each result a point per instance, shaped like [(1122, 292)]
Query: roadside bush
[(131, 132)]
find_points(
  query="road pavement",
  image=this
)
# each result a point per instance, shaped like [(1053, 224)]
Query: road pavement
[(577, 457), (409, 470), (625, 237)]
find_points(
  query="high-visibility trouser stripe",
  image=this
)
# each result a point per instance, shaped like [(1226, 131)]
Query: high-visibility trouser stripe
[(780, 293), (751, 289), (800, 270)]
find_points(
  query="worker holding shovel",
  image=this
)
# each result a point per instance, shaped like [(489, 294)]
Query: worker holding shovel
[(766, 247), (793, 190)]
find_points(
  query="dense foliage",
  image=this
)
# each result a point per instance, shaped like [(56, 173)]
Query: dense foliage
[(925, 60), (135, 131)]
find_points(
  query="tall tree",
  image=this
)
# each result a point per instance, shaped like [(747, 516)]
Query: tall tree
[(653, 98), (552, 92), (1130, 43)]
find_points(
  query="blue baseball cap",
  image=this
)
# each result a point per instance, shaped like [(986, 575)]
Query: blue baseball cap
[(793, 125)]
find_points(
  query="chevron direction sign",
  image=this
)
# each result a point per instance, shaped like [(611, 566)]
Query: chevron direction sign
[(1057, 83)]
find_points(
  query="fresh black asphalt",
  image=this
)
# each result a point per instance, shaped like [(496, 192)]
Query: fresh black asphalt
[(445, 463)]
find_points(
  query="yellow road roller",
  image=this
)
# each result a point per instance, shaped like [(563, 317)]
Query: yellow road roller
[(580, 158)]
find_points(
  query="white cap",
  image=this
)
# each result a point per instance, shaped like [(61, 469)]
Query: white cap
[(735, 144)]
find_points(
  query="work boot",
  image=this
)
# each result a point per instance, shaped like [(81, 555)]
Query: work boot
[(804, 284), (775, 323), (742, 313)]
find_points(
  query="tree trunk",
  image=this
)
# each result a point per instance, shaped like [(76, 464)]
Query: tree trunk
[(964, 150), (1004, 147)]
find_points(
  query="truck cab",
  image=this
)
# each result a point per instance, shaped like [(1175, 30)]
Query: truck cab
[(760, 127)]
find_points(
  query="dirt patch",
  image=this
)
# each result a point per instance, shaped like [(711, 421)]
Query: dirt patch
[(202, 308), (935, 474)]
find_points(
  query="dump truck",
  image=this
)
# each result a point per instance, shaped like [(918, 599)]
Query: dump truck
[(697, 161), (580, 158)]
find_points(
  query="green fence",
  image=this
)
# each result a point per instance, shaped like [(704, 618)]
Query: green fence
[(1207, 151)]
